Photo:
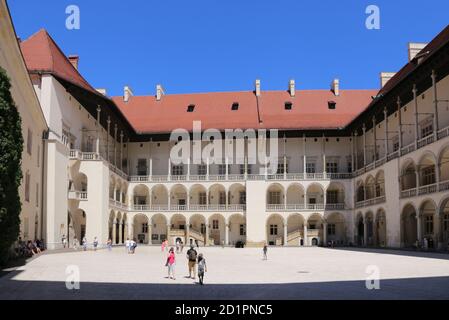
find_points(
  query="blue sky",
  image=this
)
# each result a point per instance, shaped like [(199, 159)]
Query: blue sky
[(209, 45)]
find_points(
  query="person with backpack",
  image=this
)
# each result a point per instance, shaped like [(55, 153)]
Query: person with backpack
[(191, 257), (127, 245), (95, 243), (84, 243), (202, 267), (171, 261), (265, 249)]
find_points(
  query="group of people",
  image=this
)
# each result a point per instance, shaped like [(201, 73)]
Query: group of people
[(193, 259), (76, 243), (29, 248)]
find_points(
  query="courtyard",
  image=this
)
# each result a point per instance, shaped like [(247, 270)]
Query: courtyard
[(289, 273)]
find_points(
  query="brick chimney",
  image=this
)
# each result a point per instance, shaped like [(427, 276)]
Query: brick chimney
[(414, 48), (257, 87), (159, 92), (74, 59), (385, 77), (127, 93), (291, 87), (335, 87)]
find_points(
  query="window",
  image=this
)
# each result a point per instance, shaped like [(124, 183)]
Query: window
[(273, 229), (395, 144), (446, 222), (202, 170), (428, 175), (222, 169), (144, 227), (331, 229), (332, 167), (142, 167), (312, 200), (274, 197), (242, 197), (332, 196), (242, 230), (215, 224), (191, 108), (429, 224), (280, 169), (222, 197), (310, 167), (331, 105), (235, 106), (178, 170), (242, 169), (426, 128), (203, 228), (27, 187), (349, 166), (29, 142), (202, 198), (288, 105)]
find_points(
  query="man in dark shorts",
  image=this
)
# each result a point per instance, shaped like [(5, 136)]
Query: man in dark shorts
[(191, 257)]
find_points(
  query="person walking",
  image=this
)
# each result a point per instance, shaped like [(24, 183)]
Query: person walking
[(64, 241), (202, 268), (127, 245), (75, 243), (95, 243), (84, 244), (171, 261), (177, 245), (196, 242), (191, 257), (265, 249), (109, 244)]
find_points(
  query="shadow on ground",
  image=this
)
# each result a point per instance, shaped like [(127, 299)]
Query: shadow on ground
[(410, 253)]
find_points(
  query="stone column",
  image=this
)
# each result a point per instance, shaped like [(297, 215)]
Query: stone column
[(120, 232), (285, 234), (115, 144), (305, 240), (227, 234), (188, 168), (121, 151), (325, 234), (364, 144), (418, 227), (168, 234), (114, 232), (187, 235), (365, 232), (107, 138), (150, 232), (400, 124), (151, 169), (386, 132), (415, 100), (206, 240), (435, 104), (169, 169)]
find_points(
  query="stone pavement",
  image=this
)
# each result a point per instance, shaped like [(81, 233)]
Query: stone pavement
[(289, 273)]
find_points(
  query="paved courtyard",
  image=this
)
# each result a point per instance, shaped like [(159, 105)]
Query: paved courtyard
[(289, 273)]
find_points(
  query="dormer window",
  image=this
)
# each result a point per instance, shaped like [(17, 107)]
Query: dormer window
[(288, 105), (235, 106), (331, 105), (190, 108)]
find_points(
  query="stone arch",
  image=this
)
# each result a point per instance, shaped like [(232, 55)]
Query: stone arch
[(408, 175), (141, 229), (237, 194), (275, 230), (275, 194), (370, 189), (141, 195), (178, 197), (360, 229), (237, 228), (315, 229), (159, 197), (426, 169), (360, 191), (314, 194), (443, 163), (336, 228), (295, 194), (444, 222), (369, 221), (295, 229), (217, 195), (198, 195), (428, 218), (380, 234), (409, 221), (158, 228), (80, 182), (379, 184), (217, 229), (335, 193)]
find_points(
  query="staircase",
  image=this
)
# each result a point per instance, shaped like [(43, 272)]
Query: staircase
[(196, 235), (294, 237)]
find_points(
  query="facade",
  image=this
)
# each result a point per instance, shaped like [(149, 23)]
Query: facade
[(360, 167), (33, 128)]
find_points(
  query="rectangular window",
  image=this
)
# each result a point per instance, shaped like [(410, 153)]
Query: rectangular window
[(429, 224), (446, 223), (428, 175), (222, 199), (331, 229), (332, 196), (331, 167), (349, 166), (203, 228), (215, 224), (242, 230), (202, 198), (426, 128), (202, 170), (280, 169), (242, 197), (144, 227), (142, 167), (274, 197), (310, 167), (27, 187), (395, 143), (221, 169), (242, 169), (273, 229), (29, 142), (177, 170)]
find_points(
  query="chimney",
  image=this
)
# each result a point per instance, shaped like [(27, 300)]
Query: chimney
[(159, 92), (291, 87), (385, 77), (414, 48), (335, 87), (127, 93), (257, 87), (74, 59), (102, 91)]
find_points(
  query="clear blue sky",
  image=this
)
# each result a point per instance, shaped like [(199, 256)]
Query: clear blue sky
[(209, 45)]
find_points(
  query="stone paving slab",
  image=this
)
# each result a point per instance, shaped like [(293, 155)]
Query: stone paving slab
[(289, 273)]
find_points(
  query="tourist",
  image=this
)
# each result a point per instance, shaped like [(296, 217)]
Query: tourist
[(95, 243), (196, 242), (425, 243), (163, 246), (84, 243), (202, 267), (36, 247), (166, 244), (64, 241), (109, 244), (75, 243), (127, 245), (171, 259), (191, 257), (265, 249), (133, 246), (177, 246)]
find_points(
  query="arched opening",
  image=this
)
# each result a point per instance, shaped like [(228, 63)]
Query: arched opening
[(198, 197), (335, 195), (295, 196), (315, 196), (159, 229), (141, 229), (380, 184), (409, 227), (295, 230), (111, 187), (237, 196), (275, 196), (178, 197), (428, 220), (217, 196), (275, 230), (237, 229), (315, 229), (217, 229), (381, 229), (77, 225), (141, 196), (124, 229), (80, 182), (444, 223), (336, 228), (427, 171), (118, 193), (178, 229), (197, 230), (111, 225), (370, 189), (443, 164), (369, 220), (159, 197), (360, 192), (360, 229), (408, 177)]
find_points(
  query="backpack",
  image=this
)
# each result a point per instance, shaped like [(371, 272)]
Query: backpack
[(192, 255)]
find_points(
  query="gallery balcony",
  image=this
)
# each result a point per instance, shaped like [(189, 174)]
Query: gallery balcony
[(191, 207), (427, 189), (78, 195), (305, 207)]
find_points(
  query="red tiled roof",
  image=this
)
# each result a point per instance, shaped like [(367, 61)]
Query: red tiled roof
[(310, 110), (42, 54)]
